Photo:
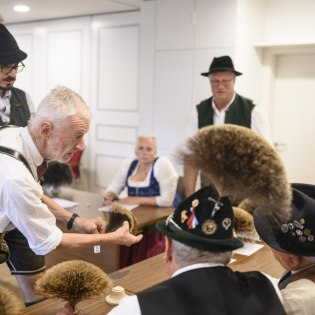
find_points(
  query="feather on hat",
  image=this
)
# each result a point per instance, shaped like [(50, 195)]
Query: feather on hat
[(241, 163)]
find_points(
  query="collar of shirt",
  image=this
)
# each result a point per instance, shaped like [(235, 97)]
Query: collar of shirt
[(216, 111), (7, 94), (36, 157), (5, 101), (196, 266), (219, 115)]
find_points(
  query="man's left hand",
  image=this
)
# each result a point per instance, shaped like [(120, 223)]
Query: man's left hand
[(89, 226)]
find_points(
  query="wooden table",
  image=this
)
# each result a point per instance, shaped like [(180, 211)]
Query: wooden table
[(109, 255), (149, 272)]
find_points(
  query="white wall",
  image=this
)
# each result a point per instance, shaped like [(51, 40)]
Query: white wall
[(289, 21)]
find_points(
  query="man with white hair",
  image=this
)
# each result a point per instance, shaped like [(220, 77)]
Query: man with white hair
[(54, 132), (16, 108)]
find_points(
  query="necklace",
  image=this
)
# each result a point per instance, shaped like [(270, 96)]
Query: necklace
[(304, 268)]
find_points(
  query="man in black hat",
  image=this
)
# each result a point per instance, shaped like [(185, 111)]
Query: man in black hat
[(15, 109), (293, 245), (199, 244), (225, 106), (15, 104)]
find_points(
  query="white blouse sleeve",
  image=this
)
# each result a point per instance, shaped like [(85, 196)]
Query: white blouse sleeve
[(167, 177), (119, 182)]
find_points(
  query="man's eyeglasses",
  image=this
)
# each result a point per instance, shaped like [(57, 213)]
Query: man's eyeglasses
[(7, 69), (225, 82)]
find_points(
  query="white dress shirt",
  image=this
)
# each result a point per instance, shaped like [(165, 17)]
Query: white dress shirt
[(20, 194)]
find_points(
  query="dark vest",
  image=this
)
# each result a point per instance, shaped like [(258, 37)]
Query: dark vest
[(239, 112), (19, 110), (212, 291), (152, 190)]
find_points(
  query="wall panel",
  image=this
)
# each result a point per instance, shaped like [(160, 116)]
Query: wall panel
[(118, 54), (115, 94), (65, 58)]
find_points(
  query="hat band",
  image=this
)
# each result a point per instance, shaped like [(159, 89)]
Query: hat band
[(10, 53)]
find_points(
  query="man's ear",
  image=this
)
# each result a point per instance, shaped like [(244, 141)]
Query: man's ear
[(46, 129), (168, 249), (294, 261)]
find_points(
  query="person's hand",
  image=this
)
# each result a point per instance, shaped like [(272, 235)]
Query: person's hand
[(109, 197), (67, 310), (122, 236), (89, 226)]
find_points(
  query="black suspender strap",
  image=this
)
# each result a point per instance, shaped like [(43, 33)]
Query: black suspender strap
[(15, 154)]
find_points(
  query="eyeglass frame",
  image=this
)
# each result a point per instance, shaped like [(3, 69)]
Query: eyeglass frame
[(17, 67), (224, 82)]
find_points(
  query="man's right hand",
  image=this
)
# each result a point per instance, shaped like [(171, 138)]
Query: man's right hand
[(109, 197), (122, 236)]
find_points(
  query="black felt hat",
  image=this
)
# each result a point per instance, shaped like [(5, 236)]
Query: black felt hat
[(294, 236), (10, 53), (204, 221), (220, 64)]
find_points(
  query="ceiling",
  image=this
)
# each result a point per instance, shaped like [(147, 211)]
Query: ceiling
[(52, 9)]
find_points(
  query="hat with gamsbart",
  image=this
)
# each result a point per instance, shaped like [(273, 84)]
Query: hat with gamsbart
[(204, 221), (297, 234), (220, 64), (10, 53)]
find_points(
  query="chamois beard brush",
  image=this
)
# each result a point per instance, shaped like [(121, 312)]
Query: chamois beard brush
[(9, 303), (57, 174), (240, 163), (73, 281), (117, 214), (244, 224)]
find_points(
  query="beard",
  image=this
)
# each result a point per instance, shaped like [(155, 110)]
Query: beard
[(7, 83), (6, 88)]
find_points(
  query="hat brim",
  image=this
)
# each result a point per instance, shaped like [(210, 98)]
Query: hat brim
[(206, 74), (207, 244), (13, 58), (274, 238)]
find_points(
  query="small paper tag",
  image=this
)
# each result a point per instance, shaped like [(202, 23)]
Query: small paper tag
[(97, 249)]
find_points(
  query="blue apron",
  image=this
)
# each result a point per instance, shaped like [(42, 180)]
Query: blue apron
[(152, 190)]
